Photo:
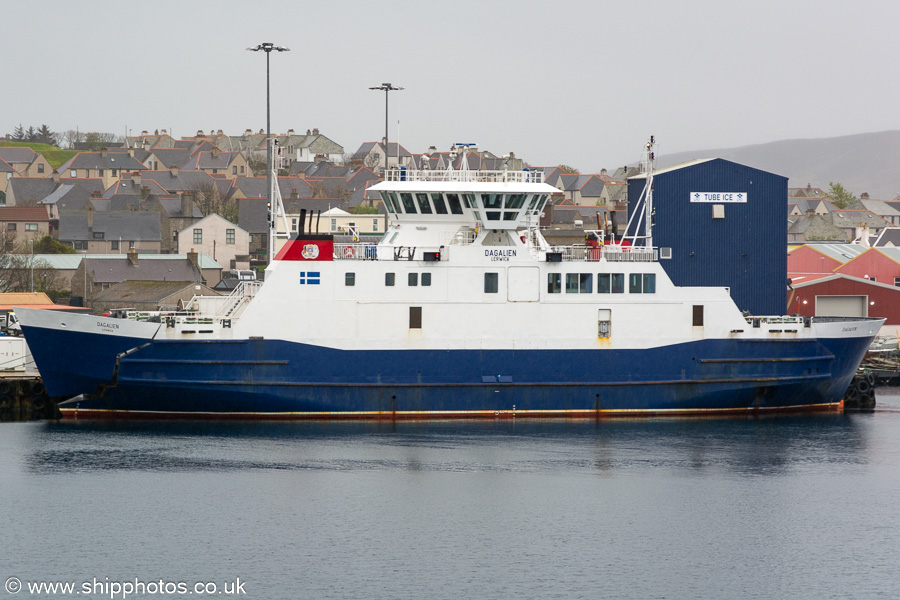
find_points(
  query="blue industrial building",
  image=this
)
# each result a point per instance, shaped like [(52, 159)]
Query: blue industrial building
[(719, 223)]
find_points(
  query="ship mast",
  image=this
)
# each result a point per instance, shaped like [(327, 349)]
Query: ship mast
[(275, 207), (644, 207)]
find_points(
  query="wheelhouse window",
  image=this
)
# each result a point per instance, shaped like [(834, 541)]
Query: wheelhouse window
[(412, 279), (455, 206), (424, 205), (408, 204), (426, 279), (469, 200), (389, 279), (554, 283), (439, 206), (491, 283), (349, 279)]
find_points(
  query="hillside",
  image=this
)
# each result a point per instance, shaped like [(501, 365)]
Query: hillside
[(866, 162)]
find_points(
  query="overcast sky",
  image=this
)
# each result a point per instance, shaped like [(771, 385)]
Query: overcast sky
[(582, 83)]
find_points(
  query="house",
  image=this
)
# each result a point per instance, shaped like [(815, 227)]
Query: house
[(95, 274), (582, 190), (215, 236), (882, 208), (216, 162), (148, 295), (371, 154), (100, 232), (32, 191), (814, 227), (19, 224), (6, 173), (308, 148), (106, 165), (25, 162)]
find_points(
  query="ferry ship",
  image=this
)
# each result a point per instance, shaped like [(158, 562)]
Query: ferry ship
[(461, 310)]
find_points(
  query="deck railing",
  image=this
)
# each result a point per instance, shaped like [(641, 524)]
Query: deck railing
[(611, 253), (440, 175)]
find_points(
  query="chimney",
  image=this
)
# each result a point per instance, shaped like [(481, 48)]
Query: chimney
[(145, 192), (96, 194), (290, 132), (104, 152), (247, 133), (220, 133), (130, 151), (215, 151), (136, 178), (173, 171), (602, 171), (187, 204), (132, 257), (163, 132), (431, 150), (200, 133), (316, 131), (192, 256), (864, 196), (55, 177), (308, 132), (294, 194), (144, 132)]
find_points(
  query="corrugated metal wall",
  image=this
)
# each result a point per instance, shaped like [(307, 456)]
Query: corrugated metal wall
[(745, 250)]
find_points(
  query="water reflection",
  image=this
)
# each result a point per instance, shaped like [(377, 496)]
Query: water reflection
[(754, 446)]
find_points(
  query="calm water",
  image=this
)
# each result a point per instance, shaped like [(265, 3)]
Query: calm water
[(790, 507)]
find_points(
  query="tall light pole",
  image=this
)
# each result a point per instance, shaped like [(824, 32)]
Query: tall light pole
[(387, 87), (268, 47)]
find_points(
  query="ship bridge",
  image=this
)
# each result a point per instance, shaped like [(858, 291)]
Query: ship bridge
[(494, 200)]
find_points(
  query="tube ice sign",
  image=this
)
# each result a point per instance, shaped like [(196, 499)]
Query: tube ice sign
[(719, 197)]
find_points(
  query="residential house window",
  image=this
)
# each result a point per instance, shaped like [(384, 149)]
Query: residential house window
[(113, 171), (73, 173), (389, 279), (294, 224), (491, 283), (229, 236), (80, 245), (215, 171), (99, 172), (242, 169), (234, 170), (374, 224), (897, 281), (11, 226), (31, 227), (41, 168), (334, 224), (114, 245), (98, 235), (131, 245), (198, 236)]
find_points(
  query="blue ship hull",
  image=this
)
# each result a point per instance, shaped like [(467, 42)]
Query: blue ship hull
[(276, 379)]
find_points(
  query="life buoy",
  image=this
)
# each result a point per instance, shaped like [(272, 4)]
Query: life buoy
[(349, 252)]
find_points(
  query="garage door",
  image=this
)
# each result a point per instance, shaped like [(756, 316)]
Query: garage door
[(842, 306)]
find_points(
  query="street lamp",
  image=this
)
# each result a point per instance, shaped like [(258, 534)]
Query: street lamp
[(387, 87), (268, 47)]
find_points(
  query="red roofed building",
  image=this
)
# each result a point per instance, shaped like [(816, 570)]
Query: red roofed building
[(881, 264)]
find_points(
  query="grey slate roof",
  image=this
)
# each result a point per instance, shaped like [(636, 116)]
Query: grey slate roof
[(5, 167), (33, 190), (889, 236), (144, 291), (127, 187), (171, 157), (115, 268), (17, 154), (255, 187), (180, 182), (130, 226), (72, 261), (96, 160)]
